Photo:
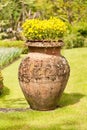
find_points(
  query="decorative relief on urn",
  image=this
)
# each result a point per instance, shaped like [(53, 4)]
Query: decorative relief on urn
[(43, 78)]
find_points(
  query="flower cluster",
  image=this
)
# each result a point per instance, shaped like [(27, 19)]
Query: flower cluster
[(51, 29)]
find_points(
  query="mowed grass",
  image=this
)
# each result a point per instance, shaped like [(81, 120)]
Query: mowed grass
[(72, 113)]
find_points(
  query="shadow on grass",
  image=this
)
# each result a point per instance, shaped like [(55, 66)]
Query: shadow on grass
[(70, 99), (4, 92), (66, 100), (11, 102)]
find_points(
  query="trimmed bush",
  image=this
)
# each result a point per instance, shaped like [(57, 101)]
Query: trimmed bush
[(8, 43), (76, 35), (81, 28), (85, 42), (73, 41), (18, 44)]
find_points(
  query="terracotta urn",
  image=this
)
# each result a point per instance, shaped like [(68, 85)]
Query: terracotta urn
[(43, 74)]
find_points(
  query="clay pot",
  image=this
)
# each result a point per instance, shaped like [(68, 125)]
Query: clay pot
[(43, 74)]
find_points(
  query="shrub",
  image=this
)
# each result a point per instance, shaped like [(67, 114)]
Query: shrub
[(76, 35), (85, 42), (51, 29), (3, 35), (73, 41), (8, 43), (17, 44), (81, 28), (8, 55), (1, 82)]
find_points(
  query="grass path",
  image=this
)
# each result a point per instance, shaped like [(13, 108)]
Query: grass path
[(13, 96), (72, 115)]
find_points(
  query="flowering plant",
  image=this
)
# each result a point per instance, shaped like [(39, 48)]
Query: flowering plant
[(51, 29)]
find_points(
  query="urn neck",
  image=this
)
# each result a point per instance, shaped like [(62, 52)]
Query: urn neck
[(48, 50)]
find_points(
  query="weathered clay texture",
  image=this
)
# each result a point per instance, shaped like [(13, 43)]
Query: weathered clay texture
[(43, 77)]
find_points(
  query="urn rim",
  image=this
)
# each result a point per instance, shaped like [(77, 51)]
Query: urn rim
[(43, 43)]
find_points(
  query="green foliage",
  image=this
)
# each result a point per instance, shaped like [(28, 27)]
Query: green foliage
[(8, 43), (73, 12), (85, 42), (1, 78), (17, 44), (3, 35), (18, 10), (81, 29), (73, 41), (50, 29), (76, 35), (1, 82), (8, 55)]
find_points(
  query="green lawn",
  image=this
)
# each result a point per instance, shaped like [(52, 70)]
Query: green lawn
[(72, 115)]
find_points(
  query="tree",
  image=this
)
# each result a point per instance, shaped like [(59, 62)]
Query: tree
[(70, 10), (14, 12)]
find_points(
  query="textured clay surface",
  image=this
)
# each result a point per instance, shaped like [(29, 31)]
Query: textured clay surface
[(43, 78)]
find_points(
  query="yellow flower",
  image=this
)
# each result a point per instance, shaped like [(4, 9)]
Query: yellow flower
[(52, 29)]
